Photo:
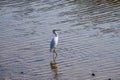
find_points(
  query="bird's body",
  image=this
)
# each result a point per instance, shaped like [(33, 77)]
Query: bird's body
[(53, 43)]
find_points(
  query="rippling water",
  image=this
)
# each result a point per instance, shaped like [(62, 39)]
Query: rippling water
[(89, 39)]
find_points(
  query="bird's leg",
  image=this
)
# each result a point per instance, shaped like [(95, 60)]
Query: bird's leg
[(56, 55), (54, 52), (53, 57)]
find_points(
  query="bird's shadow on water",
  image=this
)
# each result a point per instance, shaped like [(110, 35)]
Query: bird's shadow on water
[(54, 68)]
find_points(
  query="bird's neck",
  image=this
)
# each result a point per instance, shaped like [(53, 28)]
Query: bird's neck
[(56, 34)]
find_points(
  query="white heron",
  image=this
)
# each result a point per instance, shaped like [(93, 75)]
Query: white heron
[(54, 42)]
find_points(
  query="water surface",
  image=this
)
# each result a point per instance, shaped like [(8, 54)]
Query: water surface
[(89, 41)]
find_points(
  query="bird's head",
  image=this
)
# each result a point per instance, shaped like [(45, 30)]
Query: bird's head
[(54, 30)]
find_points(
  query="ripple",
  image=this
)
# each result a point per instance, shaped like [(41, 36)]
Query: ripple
[(86, 49)]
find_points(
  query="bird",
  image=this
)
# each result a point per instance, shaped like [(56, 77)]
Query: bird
[(53, 43)]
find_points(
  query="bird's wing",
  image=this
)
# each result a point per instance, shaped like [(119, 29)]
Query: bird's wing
[(52, 44)]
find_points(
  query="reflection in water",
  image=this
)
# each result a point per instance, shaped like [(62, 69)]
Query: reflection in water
[(54, 68)]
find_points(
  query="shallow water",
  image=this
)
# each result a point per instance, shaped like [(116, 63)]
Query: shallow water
[(89, 41)]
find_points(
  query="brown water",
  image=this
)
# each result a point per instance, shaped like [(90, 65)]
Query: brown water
[(89, 41)]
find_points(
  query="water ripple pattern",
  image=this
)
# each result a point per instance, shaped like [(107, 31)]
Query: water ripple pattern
[(89, 40)]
